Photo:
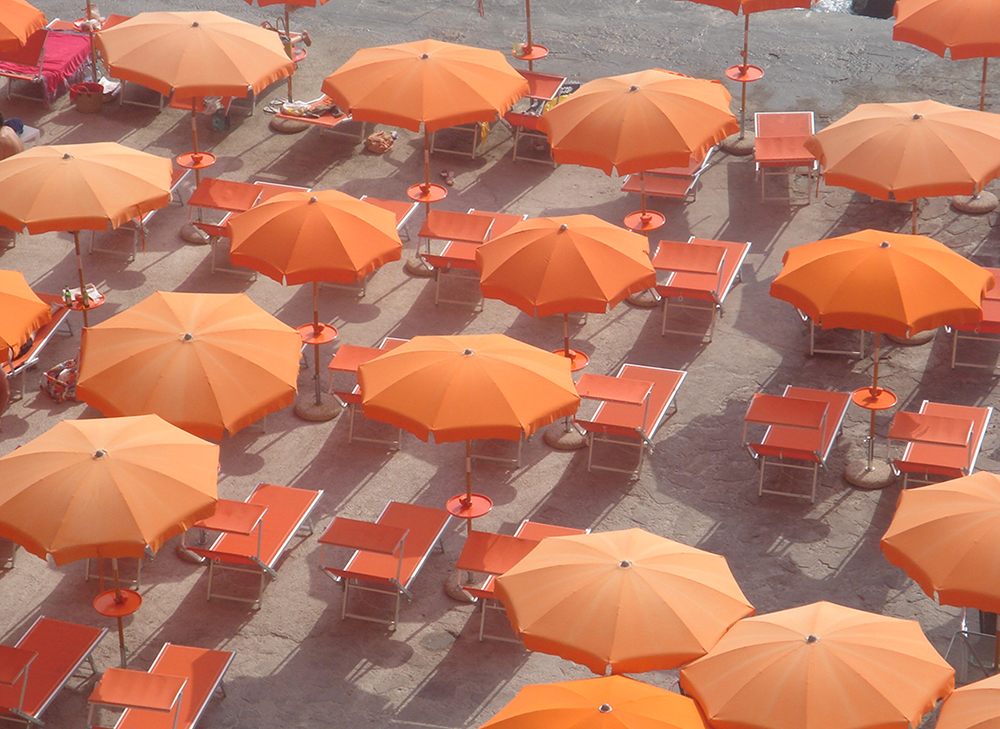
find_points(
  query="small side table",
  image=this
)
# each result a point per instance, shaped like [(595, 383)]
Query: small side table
[(873, 399), (469, 507), (744, 74), (95, 299), (118, 604), (196, 161), (530, 53), (577, 359), (645, 221)]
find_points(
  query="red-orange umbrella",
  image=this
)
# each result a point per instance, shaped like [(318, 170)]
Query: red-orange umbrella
[(23, 312), (819, 666), (18, 20), (975, 706), (576, 263), (626, 600), (961, 28)]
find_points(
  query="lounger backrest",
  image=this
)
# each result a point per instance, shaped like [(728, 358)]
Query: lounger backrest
[(42, 336), (524, 121), (784, 124), (802, 423), (31, 54), (712, 287), (947, 460), (424, 524), (61, 648), (626, 419), (536, 530), (202, 667), (502, 222), (287, 508)]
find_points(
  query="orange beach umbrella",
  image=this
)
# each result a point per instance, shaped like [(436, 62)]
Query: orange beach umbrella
[(946, 537), (74, 187), (207, 363), (18, 20), (576, 263), (626, 600), (609, 702), (467, 387), (974, 706), (909, 150), (302, 237), (820, 666), (429, 83), (23, 312), (960, 28)]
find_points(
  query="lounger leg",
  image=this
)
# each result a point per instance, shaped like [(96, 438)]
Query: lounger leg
[(482, 617), (954, 346), (590, 451), (211, 574), (812, 494), (343, 602), (760, 480)]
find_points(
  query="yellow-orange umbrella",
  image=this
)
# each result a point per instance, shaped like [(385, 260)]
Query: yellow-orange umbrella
[(610, 702), (74, 187), (626, 600), (820, 666), (18, 20), (23, 312), (207, 363), (975, 706)]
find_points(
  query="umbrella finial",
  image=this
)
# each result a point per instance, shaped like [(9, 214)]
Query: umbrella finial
[(196, 24), (67, 156), (467, 353), (884, 244), (188, 337), (563, 227), (633, 87), (424, 56), (812, 638), (313, 199), (625, 564), (100, 453), (604, 708), (916, 116)]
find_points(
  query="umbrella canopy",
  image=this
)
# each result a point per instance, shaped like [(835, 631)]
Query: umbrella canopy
[(23, 312), (820, 666), (974, 706), (296, 3), (467, 387), (962, 28), (109, 487), (628, 600), (755, 6), (576, 263), (425, 82), (639, 121), (946, 536), (194, 54), (882, 282), (76, 187), (18, 20), (301, 237), (909, 150), (208, 363), (80, 187), (610, 702)]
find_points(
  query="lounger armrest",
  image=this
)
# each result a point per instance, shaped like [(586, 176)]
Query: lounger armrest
[(936, 429), (688, 257), (364, 536), (787, 412)]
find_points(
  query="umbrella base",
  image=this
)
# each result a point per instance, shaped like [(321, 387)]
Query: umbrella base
[(453, 586), (880, 477), (736, 146), (288, 126), (306, 408), (556, 436), (984, 202), (417, 267), (190, 233), (647, 299), (187, 555), (915, 341)]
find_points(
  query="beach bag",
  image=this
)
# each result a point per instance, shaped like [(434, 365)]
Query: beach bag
[(59, 383), (378, 142)]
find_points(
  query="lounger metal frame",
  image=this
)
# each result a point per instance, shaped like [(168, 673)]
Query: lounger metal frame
[(59, 320), (783, 167)]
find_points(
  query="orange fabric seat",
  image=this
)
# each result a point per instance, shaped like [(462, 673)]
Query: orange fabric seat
[(801, 426), (779, 147), (326, 120), (622, 418), (257, 549), (942, 440), (987, 329), (676, 182), (347, 359), (388, 555), (60, 649)]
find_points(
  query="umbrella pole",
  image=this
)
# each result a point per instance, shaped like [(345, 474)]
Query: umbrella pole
[(875, 391), (527, 15), (79, 272), (982, 91), (316, 332), (427, 163), (93, 48), (642, 193), (119, 600), (194, 141), (743, 72), (566, 337), (913, 217), (746, 43), (467, 501), (288, 32)]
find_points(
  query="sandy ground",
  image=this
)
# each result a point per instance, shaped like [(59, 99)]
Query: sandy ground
[(297, 664)]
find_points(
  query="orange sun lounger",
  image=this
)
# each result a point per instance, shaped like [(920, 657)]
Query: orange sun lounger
[(33, 672), (779, 147), (347, 359), (986, 330), (19, 364), (173, 694), (802, 425), (941, 440), (676, 182), (327, 121), (461, 239), (389, 554), (633, 405), (402, 209), (494, 554), (699, 276), (255, 533)]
